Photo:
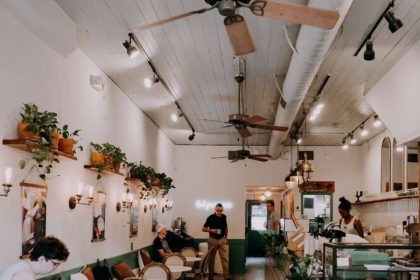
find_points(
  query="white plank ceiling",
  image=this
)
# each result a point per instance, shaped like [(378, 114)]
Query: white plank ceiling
[(194, 57)]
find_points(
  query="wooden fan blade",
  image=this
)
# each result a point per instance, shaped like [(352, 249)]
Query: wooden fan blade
[(167, 20), (239, 35), (269, 127), (261, 155), (325, 19), (244, 132), (254, 119), (207, 120), (254, 157)]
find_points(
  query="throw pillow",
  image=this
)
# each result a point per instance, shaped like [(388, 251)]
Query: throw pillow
[(122, 271), (88, 273)]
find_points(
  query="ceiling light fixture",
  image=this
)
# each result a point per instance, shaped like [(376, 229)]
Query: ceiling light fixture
[(364, 132), (158, 78), (132, 50), (148, 82), (352, 139), (393, 25), (268, 192), (174, 117), (377, 122), (369, 53), (345, 145)]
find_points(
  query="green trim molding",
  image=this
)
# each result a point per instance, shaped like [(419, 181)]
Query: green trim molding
[(237, 256), (129, 258), (236, 259)]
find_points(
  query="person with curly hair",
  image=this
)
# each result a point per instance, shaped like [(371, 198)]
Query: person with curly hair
[(45, 257), (349, 223)]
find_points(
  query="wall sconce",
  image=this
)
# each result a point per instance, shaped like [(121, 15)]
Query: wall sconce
[(7, 179), (127, 201), (168, 205), (74, 200), (132, 50)]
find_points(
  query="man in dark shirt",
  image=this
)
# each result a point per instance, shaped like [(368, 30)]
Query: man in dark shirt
[(216, 226), (160, 245)]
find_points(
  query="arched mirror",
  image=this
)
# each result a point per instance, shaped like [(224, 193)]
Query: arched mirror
[(397, 166), (412, 167), (386, 165)]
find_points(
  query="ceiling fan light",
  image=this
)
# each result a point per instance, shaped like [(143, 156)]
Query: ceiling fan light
[(227, 8)]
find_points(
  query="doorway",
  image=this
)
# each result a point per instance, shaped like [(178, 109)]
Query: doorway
[(256, 222)]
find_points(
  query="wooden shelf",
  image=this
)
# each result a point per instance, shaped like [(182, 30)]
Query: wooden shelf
[(384, 199), (27, 145), (105, 171)]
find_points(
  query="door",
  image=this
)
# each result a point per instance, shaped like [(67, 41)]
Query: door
[(256, 215)]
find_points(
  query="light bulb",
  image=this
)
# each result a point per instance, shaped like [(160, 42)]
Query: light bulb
[(345, 146), (90, 191), (353, 141), (174, 117), (148, 82), (364, 132), (377, 123), (399, 149), (80, 189), (8, 175), (268, 193)]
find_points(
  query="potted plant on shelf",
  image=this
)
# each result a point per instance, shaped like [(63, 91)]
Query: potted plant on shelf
[(114, 156), (29, 115), (97, 156), (67, 143), (165, 183), (141, 172)]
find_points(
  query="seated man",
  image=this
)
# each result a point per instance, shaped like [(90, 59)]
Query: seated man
[(160, 244)]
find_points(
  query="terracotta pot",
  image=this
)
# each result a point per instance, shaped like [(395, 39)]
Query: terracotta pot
[(54, 139), (97, 158), (108, 163), (116, 166), (156, 182), (22, 133), (66, 145)]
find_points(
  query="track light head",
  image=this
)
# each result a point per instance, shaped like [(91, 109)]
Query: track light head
[(369, 53), (393, 23), (191, 137), (132, 51)]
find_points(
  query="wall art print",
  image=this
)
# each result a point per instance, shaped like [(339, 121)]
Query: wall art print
[(134, 218), (99, 206), (34, 215)]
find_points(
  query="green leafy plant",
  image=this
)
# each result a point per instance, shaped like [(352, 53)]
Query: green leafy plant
[(142, 172), (94, 147), (114, 153), (165, 183), (29, 113), (66, 134), (300, 266)]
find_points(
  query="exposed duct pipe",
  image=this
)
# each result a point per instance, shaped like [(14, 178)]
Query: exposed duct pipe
[(311, 45)]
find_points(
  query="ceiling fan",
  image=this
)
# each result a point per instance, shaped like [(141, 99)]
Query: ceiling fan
[(242, 154), (240, 120), (237, 28)]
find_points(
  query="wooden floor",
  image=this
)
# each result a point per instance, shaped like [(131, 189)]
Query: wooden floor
[(257, 268)]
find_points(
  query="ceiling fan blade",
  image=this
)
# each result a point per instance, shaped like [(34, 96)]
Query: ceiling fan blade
[(217, 157), (243, 131), (269, 127), (255, 119), (207, 120), (261, 155), (254, 157), (167, 20), (239, 35), (322, 18)]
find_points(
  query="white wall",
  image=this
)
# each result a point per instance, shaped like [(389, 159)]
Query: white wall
[(199, 177), (32, 72)]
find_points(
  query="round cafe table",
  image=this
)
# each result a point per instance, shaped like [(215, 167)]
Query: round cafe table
[(192, 259)]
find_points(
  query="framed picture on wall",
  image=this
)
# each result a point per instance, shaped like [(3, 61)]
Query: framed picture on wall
[(34, 215), (99, 206), (134, 218)]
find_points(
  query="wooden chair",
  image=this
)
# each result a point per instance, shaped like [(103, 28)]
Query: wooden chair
[(145, 257), (190, 252), (175, 259), (155, 271)]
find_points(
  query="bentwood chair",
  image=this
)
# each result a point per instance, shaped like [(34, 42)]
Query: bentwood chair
[(175, 259), (190, 252), (154, 271), (145, 257)]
